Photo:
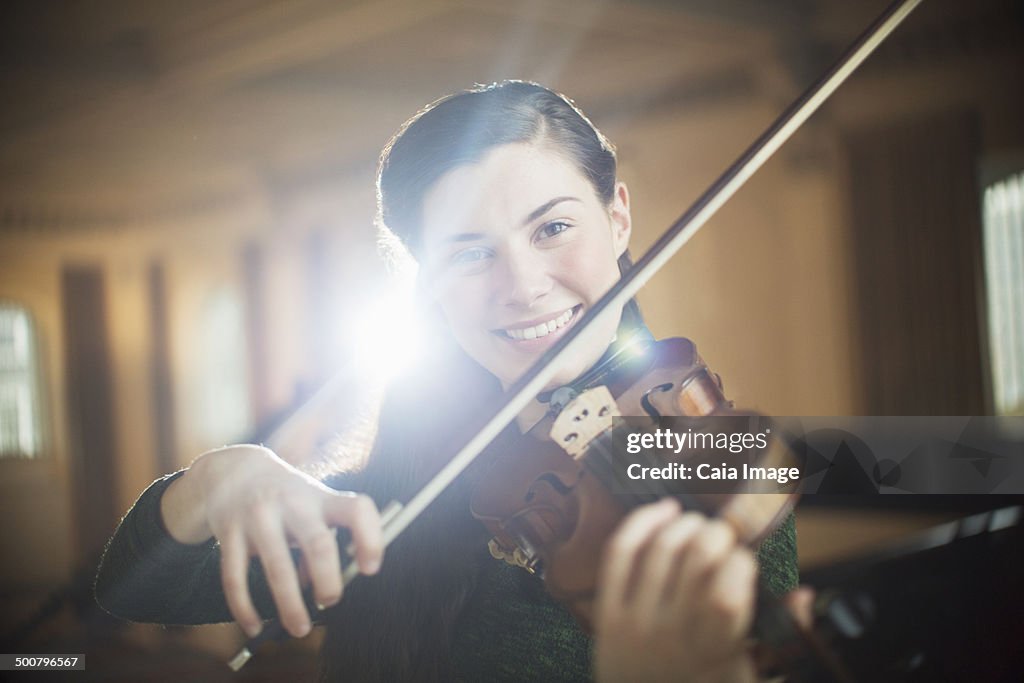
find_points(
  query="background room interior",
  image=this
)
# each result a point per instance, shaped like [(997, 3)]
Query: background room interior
[(187, 248)]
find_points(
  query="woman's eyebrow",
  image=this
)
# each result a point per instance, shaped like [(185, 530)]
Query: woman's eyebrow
[(547, 206), (464, 237)]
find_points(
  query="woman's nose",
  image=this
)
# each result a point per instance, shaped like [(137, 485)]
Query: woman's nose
[(524, 279)]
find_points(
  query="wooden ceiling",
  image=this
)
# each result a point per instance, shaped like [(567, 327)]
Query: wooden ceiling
[(116, 108)]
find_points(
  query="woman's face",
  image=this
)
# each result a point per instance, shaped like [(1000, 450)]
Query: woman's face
[(515, 248)]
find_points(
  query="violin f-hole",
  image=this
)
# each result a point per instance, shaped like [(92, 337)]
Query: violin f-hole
[(552, 481), (645, 400)]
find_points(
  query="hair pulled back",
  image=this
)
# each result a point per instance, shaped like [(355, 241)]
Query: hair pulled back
[(459, 129)]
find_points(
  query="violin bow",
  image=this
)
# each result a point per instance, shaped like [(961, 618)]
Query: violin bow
[(398, 517)]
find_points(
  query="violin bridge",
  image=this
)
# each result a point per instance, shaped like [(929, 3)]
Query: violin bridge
[(584, 419)]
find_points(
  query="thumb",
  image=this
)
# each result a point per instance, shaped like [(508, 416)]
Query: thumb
[(800, 604)]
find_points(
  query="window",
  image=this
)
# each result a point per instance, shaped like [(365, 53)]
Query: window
[(1004, 272), (19, 384), (222, 406)]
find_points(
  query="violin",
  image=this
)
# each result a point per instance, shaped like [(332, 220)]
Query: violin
[(694, 392), (555, 496), (553, 502)]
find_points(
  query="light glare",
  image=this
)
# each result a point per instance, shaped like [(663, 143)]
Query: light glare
[(386, 335)]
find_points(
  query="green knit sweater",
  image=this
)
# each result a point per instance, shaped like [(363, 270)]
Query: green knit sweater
[(509, 630)]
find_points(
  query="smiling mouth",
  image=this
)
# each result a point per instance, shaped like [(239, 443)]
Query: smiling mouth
[(541, 329)]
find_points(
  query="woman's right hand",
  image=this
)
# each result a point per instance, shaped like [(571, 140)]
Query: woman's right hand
[(256, 505)]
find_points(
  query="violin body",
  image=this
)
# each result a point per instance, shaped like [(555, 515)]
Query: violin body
[(554, 502)]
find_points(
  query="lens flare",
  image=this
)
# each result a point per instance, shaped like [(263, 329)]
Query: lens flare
[(386, 334)]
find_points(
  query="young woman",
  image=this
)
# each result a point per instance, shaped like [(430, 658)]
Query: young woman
[(507, 196)]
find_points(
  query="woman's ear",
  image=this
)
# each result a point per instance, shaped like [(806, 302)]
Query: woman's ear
[(622, 223)]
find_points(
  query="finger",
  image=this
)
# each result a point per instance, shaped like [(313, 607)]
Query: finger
[(234, 576), (664, 557), (729, 597), (268, 538), (623, 549), (800, 603), (319, 546), (359, 515), (709, 547)]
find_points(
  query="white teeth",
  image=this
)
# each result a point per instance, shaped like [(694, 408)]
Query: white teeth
[(543, 329)]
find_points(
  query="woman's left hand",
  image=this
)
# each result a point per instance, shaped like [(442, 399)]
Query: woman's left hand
[(675, 600)]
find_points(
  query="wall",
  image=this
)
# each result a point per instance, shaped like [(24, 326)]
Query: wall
[(766, 289)]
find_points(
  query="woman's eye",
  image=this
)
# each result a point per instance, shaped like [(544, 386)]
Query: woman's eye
[(553, 228), (470, 256)]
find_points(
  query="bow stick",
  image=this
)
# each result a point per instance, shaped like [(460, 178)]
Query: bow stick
[(397, 516)]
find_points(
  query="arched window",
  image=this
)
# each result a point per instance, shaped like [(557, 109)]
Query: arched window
[(19, 384)]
